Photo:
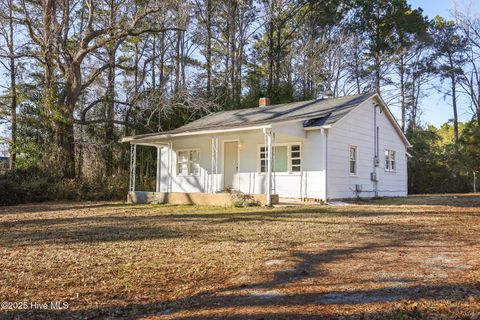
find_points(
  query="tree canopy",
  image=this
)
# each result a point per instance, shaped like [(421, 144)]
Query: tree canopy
[(80, 75)]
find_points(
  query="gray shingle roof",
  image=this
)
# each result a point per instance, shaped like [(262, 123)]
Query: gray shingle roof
[(314, 112), (333, 109)]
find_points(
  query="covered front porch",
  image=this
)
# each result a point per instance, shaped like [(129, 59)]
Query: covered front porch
[(213, 167), (184, 167)]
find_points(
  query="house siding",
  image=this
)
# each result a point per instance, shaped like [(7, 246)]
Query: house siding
[(310, 183), (357, 128)]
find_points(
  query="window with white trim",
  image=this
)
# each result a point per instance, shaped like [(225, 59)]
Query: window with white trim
[(390, 164), (286, 158), (353, 161), (188, 163)]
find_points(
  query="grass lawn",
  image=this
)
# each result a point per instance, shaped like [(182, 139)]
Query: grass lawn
[(384, 259)]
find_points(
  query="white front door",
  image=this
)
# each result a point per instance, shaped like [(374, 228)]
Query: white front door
[(230, 165)]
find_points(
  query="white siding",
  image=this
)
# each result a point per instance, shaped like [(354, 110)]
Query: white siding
[(357, 128), (308, 183)]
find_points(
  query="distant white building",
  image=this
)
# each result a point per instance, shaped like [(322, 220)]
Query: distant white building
[(321, 149), (4, 156)]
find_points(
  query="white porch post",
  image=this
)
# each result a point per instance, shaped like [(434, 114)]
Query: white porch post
[(268, 136), (171, 166), (133, 165), (159, 166), (213, 178)]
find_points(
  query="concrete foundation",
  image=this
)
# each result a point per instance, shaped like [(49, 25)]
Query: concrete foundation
[(198, 198)]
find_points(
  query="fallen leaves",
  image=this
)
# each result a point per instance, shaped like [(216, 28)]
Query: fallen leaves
[(394, 258)]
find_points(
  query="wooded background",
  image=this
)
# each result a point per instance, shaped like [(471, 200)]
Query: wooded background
[(82, 74)]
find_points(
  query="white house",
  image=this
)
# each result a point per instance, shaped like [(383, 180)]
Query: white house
[(320, 149)]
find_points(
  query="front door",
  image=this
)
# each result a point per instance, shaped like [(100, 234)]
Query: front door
[(230, 165)]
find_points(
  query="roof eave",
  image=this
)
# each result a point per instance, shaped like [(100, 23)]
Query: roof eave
[(153, 138), (328, 126)]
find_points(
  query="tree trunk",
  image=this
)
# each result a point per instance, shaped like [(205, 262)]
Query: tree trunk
[(13, 90), (50, 90), (227, 62), (154, 61), (177, 62), (454, 106), (60, 113), (66, 140), (270, 48), (209, 47), (357, 65), (110, 100), (453, 80), (277, 60), (109, 113), (183, 81), (378, 63), (402, 91), (233, 50), (162, 61), (478, 103)]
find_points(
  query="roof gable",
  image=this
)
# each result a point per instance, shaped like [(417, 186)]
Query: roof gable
[(390, 117), (392, 120)]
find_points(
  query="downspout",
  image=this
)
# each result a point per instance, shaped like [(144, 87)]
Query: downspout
[(326, 165), (406, 174), (324, 133)]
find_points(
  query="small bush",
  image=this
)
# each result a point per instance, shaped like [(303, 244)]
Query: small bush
[(240, 200)]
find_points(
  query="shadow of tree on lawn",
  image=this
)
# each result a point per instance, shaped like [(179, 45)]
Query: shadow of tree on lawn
[(262, 296)]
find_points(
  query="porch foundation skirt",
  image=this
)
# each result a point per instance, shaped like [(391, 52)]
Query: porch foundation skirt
[(198, 198)]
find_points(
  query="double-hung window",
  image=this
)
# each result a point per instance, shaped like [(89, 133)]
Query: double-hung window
[(188, 163), (390, 164), (286, 158), (353, 161)]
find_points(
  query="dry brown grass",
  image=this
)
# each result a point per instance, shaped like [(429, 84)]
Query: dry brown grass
[(385, 259)]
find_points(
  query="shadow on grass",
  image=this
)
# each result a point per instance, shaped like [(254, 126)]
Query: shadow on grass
[(244, 297), (240, 306), (451, 200), (141, 226), (247, 301), (86, 234), (221, 215)]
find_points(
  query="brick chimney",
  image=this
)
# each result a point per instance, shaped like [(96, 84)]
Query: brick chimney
[(263, 102)]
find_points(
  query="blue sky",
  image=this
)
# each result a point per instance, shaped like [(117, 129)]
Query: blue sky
[(437, 109)]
